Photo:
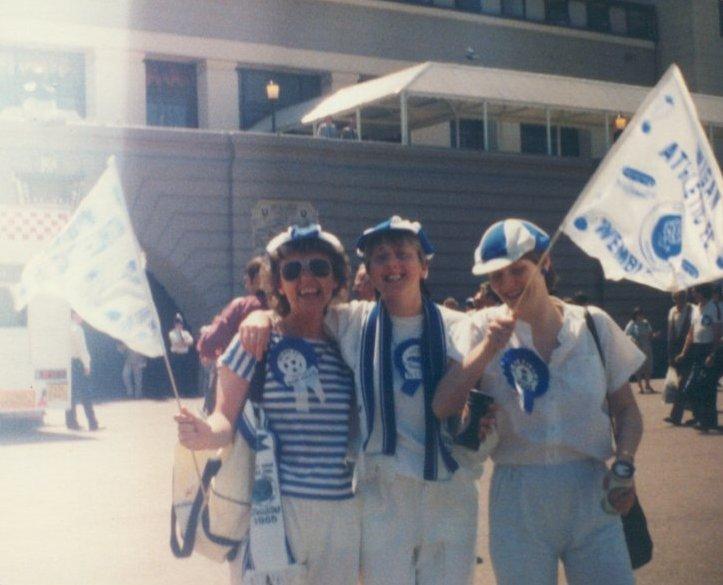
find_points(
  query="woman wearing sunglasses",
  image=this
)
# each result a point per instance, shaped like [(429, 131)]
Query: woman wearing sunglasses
[(419, 508), (307, 401), (537, 357)]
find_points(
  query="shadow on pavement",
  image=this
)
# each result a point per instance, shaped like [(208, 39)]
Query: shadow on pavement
[(29, 436)]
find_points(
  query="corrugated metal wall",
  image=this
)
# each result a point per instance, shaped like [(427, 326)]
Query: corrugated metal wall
[(181, 187)]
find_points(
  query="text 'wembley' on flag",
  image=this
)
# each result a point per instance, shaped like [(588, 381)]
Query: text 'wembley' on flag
[(96, 264), (652, 211)]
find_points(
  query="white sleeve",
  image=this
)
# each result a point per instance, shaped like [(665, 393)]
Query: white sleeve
[(622, 357), (458, 330), (340, 318)]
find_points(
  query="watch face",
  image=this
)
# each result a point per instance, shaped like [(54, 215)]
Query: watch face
[(623, 469)]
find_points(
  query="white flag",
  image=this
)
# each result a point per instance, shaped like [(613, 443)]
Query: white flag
[(95, 263), (652, 212)]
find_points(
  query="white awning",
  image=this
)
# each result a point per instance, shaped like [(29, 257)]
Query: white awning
[(440, 91)]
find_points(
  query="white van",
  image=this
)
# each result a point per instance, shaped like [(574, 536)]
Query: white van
[(34, 342)]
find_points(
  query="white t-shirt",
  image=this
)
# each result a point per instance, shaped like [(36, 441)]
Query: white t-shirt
[(703, 320), (181, 341), (569, 421), (345, 323)]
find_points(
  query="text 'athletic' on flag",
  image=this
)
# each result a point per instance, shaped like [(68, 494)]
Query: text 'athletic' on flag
[(652, 211), (95, 263)]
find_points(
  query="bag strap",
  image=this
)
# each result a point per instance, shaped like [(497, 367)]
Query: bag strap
[(593, 330)]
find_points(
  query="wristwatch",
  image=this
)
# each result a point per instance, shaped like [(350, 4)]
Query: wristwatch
[(623, 469)]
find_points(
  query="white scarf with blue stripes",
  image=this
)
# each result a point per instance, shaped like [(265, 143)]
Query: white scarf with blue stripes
[(377, 385)]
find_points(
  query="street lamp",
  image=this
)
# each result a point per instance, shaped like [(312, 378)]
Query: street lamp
[(272, 94), (619, 124)]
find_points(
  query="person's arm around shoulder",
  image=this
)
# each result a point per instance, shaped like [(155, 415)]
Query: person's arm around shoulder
[(218, 429), (255, 332)]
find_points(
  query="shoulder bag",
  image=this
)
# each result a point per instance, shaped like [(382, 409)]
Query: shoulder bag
[(635, 525), (211, 504)]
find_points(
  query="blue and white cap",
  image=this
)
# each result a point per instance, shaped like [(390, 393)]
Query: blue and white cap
[(396, 224), (506, 242), (295, 233)]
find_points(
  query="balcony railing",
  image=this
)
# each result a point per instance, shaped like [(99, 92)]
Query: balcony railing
[(627, 19)]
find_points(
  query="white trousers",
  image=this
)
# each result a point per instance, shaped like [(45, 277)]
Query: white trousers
[(540, 514), (418, 532), (324, 536)]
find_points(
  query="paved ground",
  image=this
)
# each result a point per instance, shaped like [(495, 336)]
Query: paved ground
[(93, 508)]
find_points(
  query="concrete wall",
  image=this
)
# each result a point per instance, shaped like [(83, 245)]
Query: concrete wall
[(204, 202)]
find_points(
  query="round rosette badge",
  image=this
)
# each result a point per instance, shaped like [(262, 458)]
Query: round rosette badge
[(294, 365), (527, 373), (408, 361)]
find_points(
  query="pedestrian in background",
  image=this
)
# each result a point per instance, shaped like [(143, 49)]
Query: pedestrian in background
[(81, 390), (215, 337), (181, 343), (640, 331), (537, 357), (327, 129), (700, 357), (678, 325), (132, 373), (363, 288)]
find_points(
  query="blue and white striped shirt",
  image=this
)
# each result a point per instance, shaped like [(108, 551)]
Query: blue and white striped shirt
[(312, 445)]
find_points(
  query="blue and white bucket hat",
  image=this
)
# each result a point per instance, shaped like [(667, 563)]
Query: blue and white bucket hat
[(295, 233), (396, 224), (506, 242)]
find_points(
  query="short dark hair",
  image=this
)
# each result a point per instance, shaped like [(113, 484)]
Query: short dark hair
[(705, 290), (272, 273), (549, 274), (254, 266)]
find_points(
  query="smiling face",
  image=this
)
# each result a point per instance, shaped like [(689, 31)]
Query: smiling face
[(510, 282), (307, 293), (396, 268)]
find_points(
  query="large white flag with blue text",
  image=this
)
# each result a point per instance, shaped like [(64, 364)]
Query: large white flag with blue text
[(96, 264), (652, 211)]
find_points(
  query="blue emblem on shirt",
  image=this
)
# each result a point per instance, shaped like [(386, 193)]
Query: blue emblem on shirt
[(294, 365), (408, 361), (527, 373)]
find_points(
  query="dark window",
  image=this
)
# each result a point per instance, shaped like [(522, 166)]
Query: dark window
[(471, 134), (720, 17), (556, 12), (293, 89), (569, 142), (513, 8), (641, 22), (9, 317), (469, 5), (171, 98), (534, 140), (45, 76), (598, 16)]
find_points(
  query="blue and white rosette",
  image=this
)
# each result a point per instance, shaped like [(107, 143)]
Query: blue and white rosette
[(408, 362), (527, 373), (294, 365)]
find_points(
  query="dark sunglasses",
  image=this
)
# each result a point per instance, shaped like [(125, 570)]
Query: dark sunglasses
[(318, 267)]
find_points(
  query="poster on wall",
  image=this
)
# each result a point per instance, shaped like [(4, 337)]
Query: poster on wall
[(271, 216)]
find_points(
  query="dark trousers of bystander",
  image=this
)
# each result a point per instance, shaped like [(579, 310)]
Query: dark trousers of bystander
[(80, 393), (699, 388)]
